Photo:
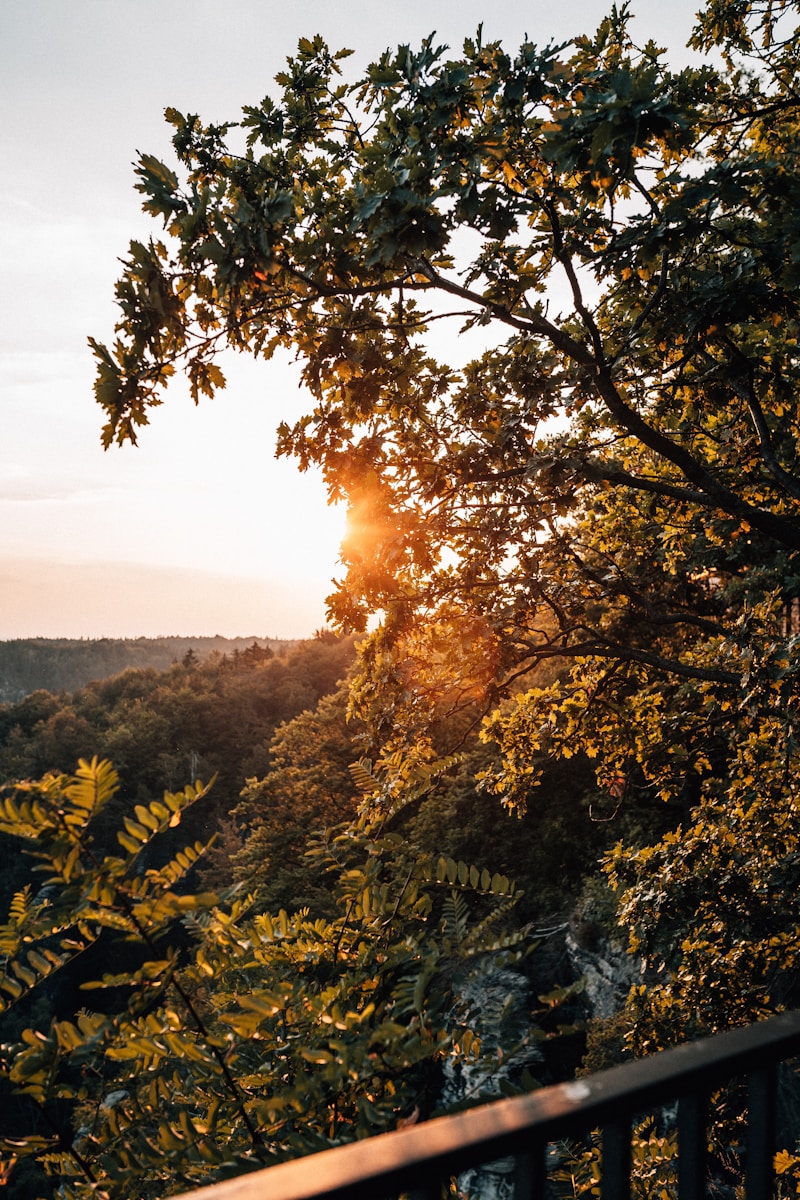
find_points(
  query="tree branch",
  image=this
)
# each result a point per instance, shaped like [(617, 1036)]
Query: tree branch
[(747, 393)]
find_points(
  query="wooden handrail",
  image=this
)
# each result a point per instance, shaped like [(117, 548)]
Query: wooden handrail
[(420, 1155)]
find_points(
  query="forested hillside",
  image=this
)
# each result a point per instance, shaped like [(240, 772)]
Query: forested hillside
[(165, 729), (64, 664), (273, 733)]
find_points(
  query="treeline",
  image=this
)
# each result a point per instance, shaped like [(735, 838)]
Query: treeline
[(64, 664)]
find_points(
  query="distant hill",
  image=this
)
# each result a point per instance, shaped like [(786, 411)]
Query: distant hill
[(64, 664)]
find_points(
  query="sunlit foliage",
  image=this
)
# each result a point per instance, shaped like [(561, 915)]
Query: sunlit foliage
[(227, 1038)]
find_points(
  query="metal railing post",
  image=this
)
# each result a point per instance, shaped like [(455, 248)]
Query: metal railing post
[(615, 1182), (762, 1086), (692, 1145), (530, 1173), (430, 1191)]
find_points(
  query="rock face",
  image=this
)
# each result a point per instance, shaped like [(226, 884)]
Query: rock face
[(495, 1181), (494, 1003), (608, 973)]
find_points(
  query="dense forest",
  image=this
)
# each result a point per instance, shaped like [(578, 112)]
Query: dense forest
[(65, 664), (166, 729), (288, 768), (566, 739)]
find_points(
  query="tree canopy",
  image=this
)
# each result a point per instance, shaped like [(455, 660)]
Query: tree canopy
[(598, 464)]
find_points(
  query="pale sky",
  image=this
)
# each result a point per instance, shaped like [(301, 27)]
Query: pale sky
[(199, 530)]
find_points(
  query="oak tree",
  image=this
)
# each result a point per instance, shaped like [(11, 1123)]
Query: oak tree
[(598, 465)]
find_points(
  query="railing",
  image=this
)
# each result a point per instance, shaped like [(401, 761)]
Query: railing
[(417, 1160)]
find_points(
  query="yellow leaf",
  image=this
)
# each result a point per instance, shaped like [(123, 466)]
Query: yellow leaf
[(784, 1161)]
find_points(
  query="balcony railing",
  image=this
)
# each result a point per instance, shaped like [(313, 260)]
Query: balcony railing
[(418, 1160)]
